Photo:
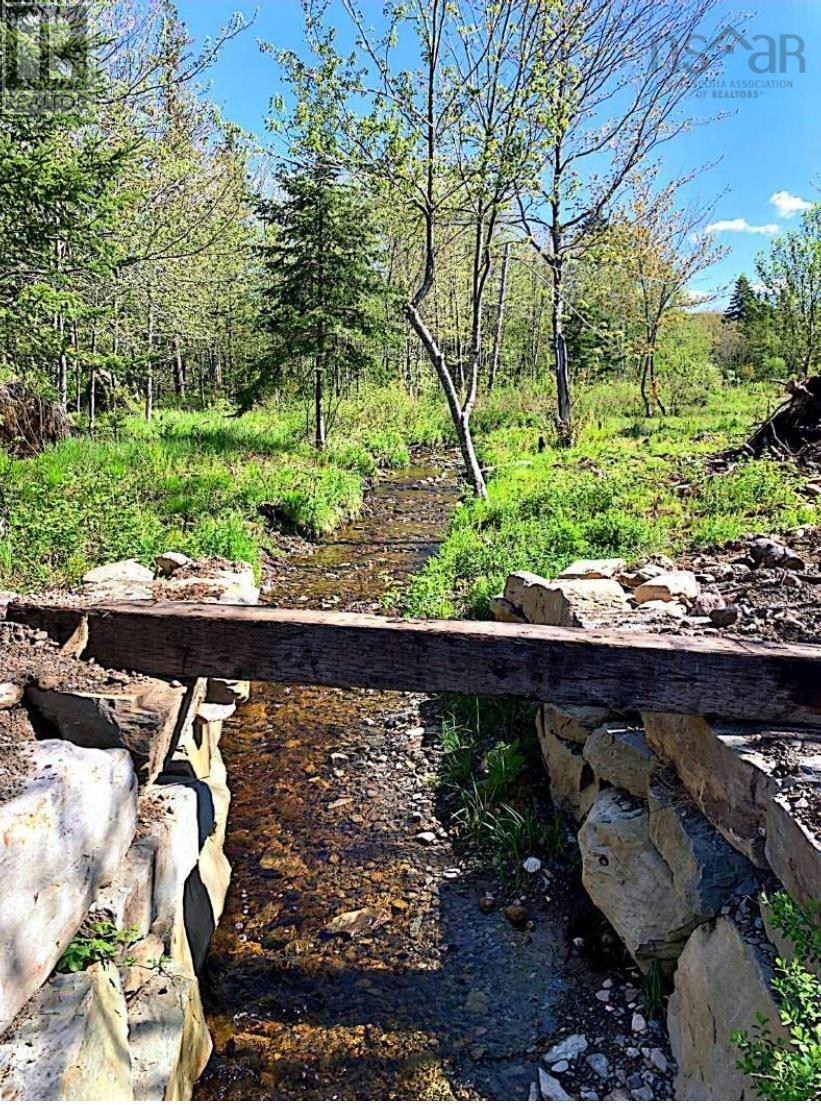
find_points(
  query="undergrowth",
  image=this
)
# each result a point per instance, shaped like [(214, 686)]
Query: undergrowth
[(96, 942), (195, 482), (489, 751), (629, 487)]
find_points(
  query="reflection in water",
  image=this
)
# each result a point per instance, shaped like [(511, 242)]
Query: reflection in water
[(430, 998)]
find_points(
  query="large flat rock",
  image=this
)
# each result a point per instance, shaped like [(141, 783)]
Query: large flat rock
[(70, 1043), (573, 783), (141, 717), (732, 771), (168, 1038), (721, 986), (629, 881), (565, 602), (64, 836)]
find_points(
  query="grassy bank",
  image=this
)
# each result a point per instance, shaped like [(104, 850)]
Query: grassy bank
[(195, 482), (629, 487)]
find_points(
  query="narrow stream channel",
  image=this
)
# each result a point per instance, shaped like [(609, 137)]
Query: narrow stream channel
[(431, 998)]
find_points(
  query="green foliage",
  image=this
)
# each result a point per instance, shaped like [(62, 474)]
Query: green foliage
[(97, 942), (784, 1061), (487, 749), (799, 922), (629, 487), (203, 483)]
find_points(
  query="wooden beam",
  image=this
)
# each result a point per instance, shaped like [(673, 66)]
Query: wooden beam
[(621, 670)]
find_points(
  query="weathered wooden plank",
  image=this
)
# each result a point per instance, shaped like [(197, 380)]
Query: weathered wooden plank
[(574, 666)]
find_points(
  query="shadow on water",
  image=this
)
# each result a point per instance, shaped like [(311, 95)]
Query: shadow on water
[(331, 789)]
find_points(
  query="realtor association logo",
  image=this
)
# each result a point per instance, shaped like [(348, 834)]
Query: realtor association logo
[(45, 54)]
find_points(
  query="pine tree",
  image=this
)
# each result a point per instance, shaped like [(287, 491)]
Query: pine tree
[(744, 306), (321, 263)]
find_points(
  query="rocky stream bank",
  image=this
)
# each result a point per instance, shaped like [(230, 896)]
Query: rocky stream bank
[(364, 950)]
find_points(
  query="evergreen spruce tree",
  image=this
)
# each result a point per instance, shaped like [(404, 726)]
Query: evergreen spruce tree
[(321, 264), (745, 306)]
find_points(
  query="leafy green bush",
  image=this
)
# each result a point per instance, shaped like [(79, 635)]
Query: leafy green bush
[(784, 1061)]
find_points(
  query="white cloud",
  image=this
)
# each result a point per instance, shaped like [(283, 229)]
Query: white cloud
[(788, 205), (741, 226)]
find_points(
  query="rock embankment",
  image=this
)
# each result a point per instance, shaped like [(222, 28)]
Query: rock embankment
[(682, 820), (113, 810)]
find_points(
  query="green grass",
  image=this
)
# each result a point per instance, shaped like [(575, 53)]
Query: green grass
[(195, 482), (490, 753), (628, 488)]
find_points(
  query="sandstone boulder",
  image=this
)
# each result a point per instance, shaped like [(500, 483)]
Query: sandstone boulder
[(124, 571), (573, 723), (227, 585), (170, 562), (169, 827), (141, 717), (573, 784), (629, 881), (125, 581), (668, 587), (793, 843), (144, 958), (64, 836), (732, 771), (228, 692), (168, 1036), (504, 611), (70, 1043), (707, 871), (594, 569), (621, 755), (565, 602), (721, 985), (129, 897)]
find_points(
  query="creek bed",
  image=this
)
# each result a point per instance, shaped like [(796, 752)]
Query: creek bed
[(353, 961)]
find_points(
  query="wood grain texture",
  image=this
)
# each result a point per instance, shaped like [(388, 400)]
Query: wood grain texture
[(574, 666)]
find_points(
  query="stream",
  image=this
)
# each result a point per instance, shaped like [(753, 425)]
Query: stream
[(353, 960)]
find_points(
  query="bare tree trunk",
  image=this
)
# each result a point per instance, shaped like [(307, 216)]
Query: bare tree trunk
[(149, 373), (564, 422), (500, 318), (461, 418), (319, 406), (178, 366), (645, 370), (457, 324), (92, 401)]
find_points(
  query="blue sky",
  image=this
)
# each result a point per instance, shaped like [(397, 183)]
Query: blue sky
[(768, 146)]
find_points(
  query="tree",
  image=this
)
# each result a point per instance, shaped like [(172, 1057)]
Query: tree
[(622, 73), (791, 275), (668, 248), (453, 140), (321, 265), (57, 204), (744, 306)]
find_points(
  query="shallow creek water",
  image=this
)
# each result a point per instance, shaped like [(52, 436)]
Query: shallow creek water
[(432, 998)]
